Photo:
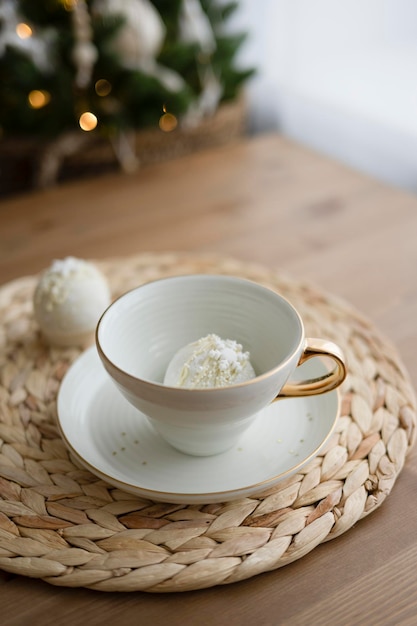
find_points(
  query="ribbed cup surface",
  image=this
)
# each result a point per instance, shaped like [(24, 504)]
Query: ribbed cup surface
[(143, 330)]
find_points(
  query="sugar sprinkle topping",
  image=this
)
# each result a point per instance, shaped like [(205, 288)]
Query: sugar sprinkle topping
[(53, 286), (214, 362)]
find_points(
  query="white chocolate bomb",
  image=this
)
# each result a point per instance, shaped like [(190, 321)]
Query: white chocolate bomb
[(68, 301), (209, 362)]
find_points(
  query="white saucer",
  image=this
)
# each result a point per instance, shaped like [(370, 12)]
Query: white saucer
[(116, 442)]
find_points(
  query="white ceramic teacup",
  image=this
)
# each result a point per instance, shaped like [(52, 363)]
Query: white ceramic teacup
[(140, 332)]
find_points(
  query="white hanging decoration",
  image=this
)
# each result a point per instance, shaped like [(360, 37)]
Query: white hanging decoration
[(140, 39), (34, 46), (84, 54), (53, 156), (124, 148), (211, 92), (195, 28)]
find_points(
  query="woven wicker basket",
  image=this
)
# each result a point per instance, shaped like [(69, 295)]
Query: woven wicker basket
[(30, 163)]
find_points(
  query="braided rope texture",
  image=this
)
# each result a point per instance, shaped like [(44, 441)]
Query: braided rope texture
[(60, 523)]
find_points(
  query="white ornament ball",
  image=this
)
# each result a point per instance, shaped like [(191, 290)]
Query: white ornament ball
[(69, 299)]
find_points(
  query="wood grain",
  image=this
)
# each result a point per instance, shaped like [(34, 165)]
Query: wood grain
[(270, 201)]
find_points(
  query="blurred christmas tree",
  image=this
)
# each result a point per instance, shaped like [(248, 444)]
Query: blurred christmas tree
[(110, 66)]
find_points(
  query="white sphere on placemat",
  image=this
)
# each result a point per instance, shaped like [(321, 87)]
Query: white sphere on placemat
[(68, 301)]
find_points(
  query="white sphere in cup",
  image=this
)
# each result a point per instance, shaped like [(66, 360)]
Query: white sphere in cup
[(209, 362)]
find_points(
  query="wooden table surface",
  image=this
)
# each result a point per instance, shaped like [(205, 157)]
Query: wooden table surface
[(270, 201)]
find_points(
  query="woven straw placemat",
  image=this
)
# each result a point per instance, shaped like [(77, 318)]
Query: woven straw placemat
[(60, 523)]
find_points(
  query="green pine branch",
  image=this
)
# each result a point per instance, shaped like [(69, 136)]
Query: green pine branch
[(136, 99)]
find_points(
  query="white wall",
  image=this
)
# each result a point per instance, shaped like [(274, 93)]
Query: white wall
[(340, 76)]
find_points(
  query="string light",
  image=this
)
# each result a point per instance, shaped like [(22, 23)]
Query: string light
[(38, 98), (103, 87), (24, 31), (88, 121), (69, 4), (168, 122)]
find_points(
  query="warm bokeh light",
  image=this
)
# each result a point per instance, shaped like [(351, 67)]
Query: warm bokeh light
[(69, 4), (88, 121), (103, 87), (38, 98), (168, 122), (24, 31)]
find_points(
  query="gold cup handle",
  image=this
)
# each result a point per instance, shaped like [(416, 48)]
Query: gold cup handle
[(328, 381)]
